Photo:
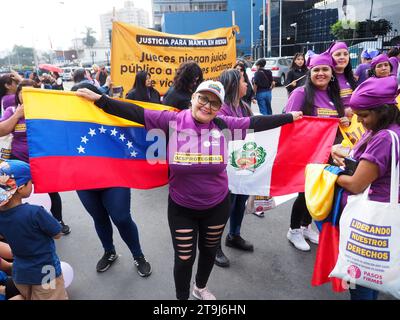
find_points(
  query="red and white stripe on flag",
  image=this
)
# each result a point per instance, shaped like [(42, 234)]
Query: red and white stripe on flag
[(273, 162)]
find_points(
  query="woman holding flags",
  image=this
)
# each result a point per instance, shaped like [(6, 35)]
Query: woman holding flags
[(320, 97), (198, 204)]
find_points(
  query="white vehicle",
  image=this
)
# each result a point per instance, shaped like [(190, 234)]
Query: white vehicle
[(279, 67), (67, 74)]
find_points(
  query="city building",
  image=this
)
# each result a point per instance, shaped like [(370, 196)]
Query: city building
[(128, 14), (307, 24), (175, 16), (161, 7)]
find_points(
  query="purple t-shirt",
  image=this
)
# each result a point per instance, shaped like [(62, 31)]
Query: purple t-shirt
[(362, 72), (395, 64), (323, 105), (197, 156), (345, 89), (379, 151), (7, 101), (19, 144)]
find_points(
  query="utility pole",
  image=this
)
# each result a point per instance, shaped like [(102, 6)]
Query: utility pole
[(280, 28), (269, 28), (264, 28), (251, 28)]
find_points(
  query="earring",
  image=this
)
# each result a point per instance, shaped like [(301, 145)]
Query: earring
[(333, 78)]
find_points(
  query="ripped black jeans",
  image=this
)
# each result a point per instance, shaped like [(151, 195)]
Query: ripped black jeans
[(187, 226)]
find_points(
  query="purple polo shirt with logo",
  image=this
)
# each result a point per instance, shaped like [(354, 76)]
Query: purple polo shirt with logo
[(323, 105), (19, 144), (345, 89), (378, 150), (197, 157)]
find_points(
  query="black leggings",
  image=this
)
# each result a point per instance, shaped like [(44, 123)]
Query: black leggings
[(11, 289), (300, 215), (56, 206), (186, 225)]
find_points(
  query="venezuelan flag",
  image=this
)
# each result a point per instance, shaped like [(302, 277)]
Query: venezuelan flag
[(74, 145)]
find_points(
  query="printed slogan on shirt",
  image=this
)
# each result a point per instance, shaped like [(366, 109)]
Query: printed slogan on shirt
[(136, 49)]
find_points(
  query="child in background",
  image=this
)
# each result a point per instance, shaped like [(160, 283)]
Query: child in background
[(29, 230)]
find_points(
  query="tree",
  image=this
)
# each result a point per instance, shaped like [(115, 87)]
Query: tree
[(364, 29), (371, 28), (47, 57), (89, 40), (344, 29), (23, 55)]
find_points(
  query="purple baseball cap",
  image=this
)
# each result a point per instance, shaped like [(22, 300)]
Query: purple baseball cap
[(379, 59), (320, 59), (374, 92)]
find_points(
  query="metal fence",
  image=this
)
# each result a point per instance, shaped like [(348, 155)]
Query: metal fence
[(356, 45)]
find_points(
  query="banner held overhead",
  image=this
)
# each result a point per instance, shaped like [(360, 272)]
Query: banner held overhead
[(136, 49)]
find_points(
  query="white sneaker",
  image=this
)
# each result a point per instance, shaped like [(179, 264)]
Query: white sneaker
[(202, 294), (310, 234), (295, 236)]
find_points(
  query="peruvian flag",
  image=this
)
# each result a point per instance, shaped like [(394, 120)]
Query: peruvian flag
[(272, 162)]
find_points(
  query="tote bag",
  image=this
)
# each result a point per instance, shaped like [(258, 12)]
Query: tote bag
[(369, 245), (5, 143)]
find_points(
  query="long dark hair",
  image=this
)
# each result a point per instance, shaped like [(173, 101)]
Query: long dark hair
[(394, 52), (349, 75), (140, 86), (230, 79), (333, 93), (24, 83), (387, 114), (5, 79), (295, 66), (185, 78), (243, 66)]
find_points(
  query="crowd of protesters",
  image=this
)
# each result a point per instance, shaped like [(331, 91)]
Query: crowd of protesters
[(322, 85)]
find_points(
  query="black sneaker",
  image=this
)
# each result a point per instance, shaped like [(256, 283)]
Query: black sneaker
[(106, 261), (220, 259), (143, 267), (238, 242), (65, 229)]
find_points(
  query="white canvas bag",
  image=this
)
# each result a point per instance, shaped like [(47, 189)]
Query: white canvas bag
[(5, 143), (369, 245)]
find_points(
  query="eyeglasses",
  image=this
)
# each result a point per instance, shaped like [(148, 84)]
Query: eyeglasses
[(214, 105)]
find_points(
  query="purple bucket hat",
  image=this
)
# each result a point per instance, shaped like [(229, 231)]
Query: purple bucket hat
[(379, 59), (320, 59), (337, 46), (374, 92)]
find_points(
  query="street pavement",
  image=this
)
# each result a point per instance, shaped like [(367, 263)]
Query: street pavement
[(274, 271)]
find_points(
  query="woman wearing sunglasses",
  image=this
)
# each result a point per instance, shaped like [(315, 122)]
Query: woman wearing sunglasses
[(198, 204)]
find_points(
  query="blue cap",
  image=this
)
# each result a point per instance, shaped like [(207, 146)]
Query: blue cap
[(369, 53), (13, 174)]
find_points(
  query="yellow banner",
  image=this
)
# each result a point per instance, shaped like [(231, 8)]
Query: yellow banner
[(135, 49), (354, 132)]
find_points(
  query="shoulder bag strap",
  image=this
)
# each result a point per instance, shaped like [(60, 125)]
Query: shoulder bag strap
[(395, 175)]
